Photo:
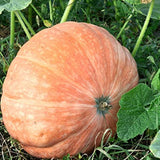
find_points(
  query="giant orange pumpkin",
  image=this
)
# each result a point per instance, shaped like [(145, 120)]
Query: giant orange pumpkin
[(62, 90)]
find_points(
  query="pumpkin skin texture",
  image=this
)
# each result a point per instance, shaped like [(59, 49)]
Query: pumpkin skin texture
[(63, 88)]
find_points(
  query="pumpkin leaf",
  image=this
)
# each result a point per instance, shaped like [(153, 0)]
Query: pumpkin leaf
[(133, 1), (12, 5), (155, 84), (133, 116), (137, 1), (154, 114), (155, 145), (143, 9), (142, 6)]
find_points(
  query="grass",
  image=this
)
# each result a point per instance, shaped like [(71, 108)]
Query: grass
[(111, 16)]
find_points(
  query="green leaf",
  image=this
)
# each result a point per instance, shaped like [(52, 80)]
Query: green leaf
[(12, 5), (155, 145), (155, 84), (133, 116), (143, 9), (47, 23), (154, 114), (151, 59), (133, 1)]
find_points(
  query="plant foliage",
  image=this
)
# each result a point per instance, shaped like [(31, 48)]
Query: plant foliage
[(155, 145), (13, 5), (139, 110)]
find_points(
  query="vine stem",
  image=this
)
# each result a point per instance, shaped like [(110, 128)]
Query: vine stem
[(139, 40), (50, 10), (26, 22), (125, 24), (67, 10), (116, 9), (23, 25), (39, 14), (12, 29), (30, 15)]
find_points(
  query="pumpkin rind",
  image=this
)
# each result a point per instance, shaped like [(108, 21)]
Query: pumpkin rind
[(50, 91)]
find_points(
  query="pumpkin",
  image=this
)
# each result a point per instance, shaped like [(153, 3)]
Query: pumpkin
[(63, 88)]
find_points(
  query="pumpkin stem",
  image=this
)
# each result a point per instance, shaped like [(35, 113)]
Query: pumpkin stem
[(102, 104)]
